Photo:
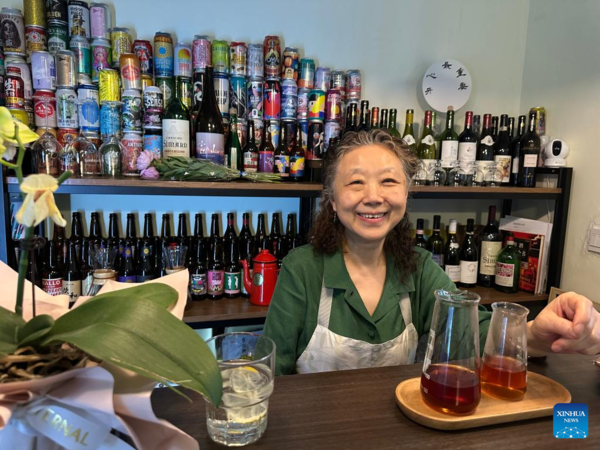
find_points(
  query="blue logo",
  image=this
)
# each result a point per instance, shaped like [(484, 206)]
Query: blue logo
[(570, 421)]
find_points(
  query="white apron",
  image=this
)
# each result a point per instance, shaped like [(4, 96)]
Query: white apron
[(327, 351)]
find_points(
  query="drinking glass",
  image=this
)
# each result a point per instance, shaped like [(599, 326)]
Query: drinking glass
[(174, 256), (438, 174), (492, 177), (421, 175), (456, 176), (46, 149), (504, 369), (247, 363), (450, 379)]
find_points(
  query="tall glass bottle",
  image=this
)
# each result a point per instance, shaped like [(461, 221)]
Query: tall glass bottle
[(491, 245), (166, 240), (131, 235), (420, 240), (451, 255), (515, 147), (426, 149), (210, 138), (435, 243), (114, 239), (87, 271), (246, 246), (467, 145), (409, 133), (485, 151), (199, 239), (77, 236), (282, 155), (294, 238), (250, 150), (127, 270), (297, 158), (58, 236), (449, 140), (197, 271), (176, 125), (469, 258), (230, 233), (71, 282), (51, 272), (261, 238), (215, 235), (266, 153), (95, 235), (392, 124), (511, 128), (435, 134), (364, 124), (351, 117), (233, 279), (502, 153), (216, 274), (508, 268), (145, 265), (374, 118), (383, 122), (235, 158), (494, 128), (275, 236), (530, 152)]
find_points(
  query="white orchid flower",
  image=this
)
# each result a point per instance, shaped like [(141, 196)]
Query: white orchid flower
[(39, 201)]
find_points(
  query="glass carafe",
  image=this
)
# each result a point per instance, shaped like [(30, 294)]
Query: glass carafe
[(504, 369), (46, 149), (110, 153), (450, 379)]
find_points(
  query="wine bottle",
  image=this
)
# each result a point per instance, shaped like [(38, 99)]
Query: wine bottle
[(364, 116), (435, 134), (529, 153), (215, 277), (351, 118), (131, 235), (449, 140), (199, 239), (210, 139), (275, 235), (71, 283), (261, 239), (502, 153), (60, 243), (87, 271), (166, 240), (392, 123), (230, 233), (234, 152), (198, 270), (297, 158), (145, 265), (485, 151), (77, 236), (374, 118), (469, 257), (51, 272), (508, 268), (409, 133), (127, 271), (250, 150), (477, 126), (435, 243), (113, 242), (516, 151), (420, 240), (467, 145), (511, 128), (383, 121), (494, 128), (215, 235), (282, 155), (266, 153), (176, 125), (233, 278), (95, 236), (451, 255), (426, 149), (491, 245)]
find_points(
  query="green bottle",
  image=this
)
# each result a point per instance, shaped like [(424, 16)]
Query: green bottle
[(409, 134), (176, 125), (233, 151), (449, 139), (508, 268), (392, 124), (435, 134), (426, 149)]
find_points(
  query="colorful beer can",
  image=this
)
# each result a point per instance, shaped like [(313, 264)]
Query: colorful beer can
[(67, 114), (291, 62), (35, 13), (44, 109), (353, 84), (36, 40), (302, 109), (163, 54), (333, 105), (130, 71), (222, 93), (133, 146), (316, 105), (143, 50), (66, 136), (80, 46), (153, 107), (131, 110), (272, 52), (56, 11), (147, 81), (108, 82), (303, 124), (289, 99), (272, 99), (43, 71), (338, 81), (153, 141), (332, 130), (110, 120), (121, 43), (18, 61), (238, 101), (255, 62), (238, 53), (183, 60), (100, 19), (79, 19), (220, 56), (275, 130), (201, 53), (12, 31), (307, 73), (89, 109), (20, 115), (66, 72), (315, 140), (58, 37), (323, 78), (14, 88), (167, 86), (255, 98), (101, 57)]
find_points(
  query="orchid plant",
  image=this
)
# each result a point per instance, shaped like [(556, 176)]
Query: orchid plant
[(131, 328)]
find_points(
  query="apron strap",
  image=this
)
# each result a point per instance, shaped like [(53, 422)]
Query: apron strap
[(325, 306), (406, 309)]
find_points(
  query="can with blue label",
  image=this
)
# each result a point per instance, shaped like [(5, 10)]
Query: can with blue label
[(153, 141), (255, 98), (163, 55), (238, 102), (89, 110), (289, 99), (110, 120), (132, 110)]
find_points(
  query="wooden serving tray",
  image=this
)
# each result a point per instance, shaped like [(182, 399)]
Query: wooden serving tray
[(539, 400)]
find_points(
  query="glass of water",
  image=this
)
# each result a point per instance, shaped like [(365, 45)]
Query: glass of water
[(247, 363)]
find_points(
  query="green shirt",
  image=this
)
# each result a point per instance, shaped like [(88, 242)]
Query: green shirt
[(292, 316)]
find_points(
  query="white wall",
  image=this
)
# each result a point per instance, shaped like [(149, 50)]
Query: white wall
[(562, 72)]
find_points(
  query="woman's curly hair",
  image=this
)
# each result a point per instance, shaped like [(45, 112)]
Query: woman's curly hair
[(328, 233)]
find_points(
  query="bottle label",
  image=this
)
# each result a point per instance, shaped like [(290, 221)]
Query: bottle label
[(467, 151), (454, 245), (265, 162), (216, 281), (428, 140), (489, 256), (503, 165), (72, 289), (86, 284), (176, 137), (52, 286), (449, 152), (530, 160), (296, 166), (487, 141), (198, 284), (468, 272), (515, 165), (142, 278), (126, 279), (437, 259), (282, 165), (409, 139), (505, 274), (153, 143), (250, 162), (210, 146), (232, 283), (453, 273)]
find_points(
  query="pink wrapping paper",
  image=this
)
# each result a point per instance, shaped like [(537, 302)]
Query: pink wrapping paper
[(106, 395)]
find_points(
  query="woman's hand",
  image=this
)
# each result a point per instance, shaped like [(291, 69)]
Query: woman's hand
[(569, 324)]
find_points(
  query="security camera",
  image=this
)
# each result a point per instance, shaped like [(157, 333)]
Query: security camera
[(555, 153)]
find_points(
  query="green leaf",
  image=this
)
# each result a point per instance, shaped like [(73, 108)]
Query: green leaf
[(141, 336), (35, 329), (158, 293), (9, 329)]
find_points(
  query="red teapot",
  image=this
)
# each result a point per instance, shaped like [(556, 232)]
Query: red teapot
[(264, 278)]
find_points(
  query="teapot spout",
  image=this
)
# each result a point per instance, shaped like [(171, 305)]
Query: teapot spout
[(247, 279)]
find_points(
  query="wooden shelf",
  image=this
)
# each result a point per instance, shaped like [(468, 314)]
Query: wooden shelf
[(242, 188), (491, 295)]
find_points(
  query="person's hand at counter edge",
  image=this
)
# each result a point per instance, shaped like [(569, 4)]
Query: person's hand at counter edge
[(569, 324)]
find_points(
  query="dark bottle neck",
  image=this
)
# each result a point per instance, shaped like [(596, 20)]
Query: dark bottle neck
[(393, 115), (492, 216), (468, 120), (148, 227), (214, 226), (199, 226), (275, 225), (532, 119), (95, 231), (131, 229), (450, 120), (165, 231), (182, 230), (76, 227), (113, 227)]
